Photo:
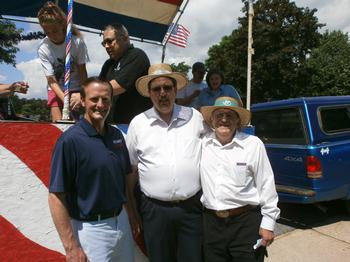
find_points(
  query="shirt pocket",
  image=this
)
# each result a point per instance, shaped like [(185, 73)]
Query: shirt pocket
[(240, 174)]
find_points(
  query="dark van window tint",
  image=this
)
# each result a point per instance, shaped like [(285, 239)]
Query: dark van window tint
[(282, 126), (335, 120)]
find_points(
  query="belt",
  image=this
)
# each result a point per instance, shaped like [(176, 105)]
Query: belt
[(101, 216), (172, 202), (230, 212)]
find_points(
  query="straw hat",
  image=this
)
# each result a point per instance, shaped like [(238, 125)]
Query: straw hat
[(226, 103), (159, 70)]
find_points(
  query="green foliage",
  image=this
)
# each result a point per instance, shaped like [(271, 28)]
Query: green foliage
[(329, 66), (9, 37), (284, 35), (31, 108), (180, 67)]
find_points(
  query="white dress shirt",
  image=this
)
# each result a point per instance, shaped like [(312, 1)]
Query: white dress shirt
[(238, 174), (167, 156)]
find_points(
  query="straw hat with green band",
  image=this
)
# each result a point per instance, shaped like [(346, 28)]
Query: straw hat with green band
[(228, 103), (159, 70)]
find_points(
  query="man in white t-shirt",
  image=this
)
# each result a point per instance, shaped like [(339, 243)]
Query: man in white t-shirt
[(189, 95)]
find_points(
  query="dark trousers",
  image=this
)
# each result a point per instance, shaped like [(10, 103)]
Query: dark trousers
[(232, 239), (172, 231)]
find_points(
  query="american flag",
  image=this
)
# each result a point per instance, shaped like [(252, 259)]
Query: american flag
[(178, 35)]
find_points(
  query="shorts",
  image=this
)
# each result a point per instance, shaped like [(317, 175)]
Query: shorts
[(53, 100)]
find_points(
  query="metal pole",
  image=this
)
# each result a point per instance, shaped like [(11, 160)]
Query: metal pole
[(163, 53), (250, 51), (65, 111), (165, 41)]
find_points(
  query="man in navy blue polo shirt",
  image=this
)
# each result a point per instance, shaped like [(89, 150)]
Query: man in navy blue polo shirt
[(87, 186)]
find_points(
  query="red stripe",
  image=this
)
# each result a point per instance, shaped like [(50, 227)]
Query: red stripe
[(171, 40), (14, 246), (172, 2), (33, 143), (177, 43), (182, 28)]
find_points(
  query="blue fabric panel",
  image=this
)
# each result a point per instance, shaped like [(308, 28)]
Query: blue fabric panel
[(89, 17)]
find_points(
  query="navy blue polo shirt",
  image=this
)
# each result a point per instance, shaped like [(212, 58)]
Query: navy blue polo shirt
[(90, 169)]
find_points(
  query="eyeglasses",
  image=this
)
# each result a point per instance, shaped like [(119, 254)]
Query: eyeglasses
[(107, 41), (227, 115), (166, 88)]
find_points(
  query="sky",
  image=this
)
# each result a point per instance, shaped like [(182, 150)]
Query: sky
[(207, 20)]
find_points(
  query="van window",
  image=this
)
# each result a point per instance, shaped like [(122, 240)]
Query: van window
[(281, 126), (335, 120)]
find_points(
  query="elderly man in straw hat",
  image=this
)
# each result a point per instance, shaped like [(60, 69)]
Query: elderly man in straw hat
[(239, 195), (164, 147)]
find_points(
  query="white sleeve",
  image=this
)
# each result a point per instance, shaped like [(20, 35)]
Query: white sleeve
[(265, 184), (131, 140), (45, 62)]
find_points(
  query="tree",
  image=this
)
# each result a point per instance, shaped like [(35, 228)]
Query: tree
[(284, 35), (8, 41), (329, 66), (31, 107), (10, 37), (180, 67)]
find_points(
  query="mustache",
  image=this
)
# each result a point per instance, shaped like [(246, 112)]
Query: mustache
[(164, 100)]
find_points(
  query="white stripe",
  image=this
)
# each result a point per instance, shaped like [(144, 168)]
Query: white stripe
[(23, 199)]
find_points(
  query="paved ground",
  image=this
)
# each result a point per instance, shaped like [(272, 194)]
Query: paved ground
[(307, 233)]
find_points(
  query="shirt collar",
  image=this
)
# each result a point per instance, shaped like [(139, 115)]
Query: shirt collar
[(89, 129), (237, 139), (180, 114), (211, 91)]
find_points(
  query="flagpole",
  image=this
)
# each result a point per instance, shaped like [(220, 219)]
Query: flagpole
[(250, 51), (174, 24), (65, 111)]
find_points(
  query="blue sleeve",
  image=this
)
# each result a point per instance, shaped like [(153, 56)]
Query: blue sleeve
[(63, 166)]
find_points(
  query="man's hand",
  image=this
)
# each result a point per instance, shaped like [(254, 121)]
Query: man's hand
[(75, 101), (19, 87), (135, 223), (267, 237), (76, 255)]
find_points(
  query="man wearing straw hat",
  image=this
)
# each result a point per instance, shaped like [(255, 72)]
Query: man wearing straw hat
[(164, 147), (239, 195)]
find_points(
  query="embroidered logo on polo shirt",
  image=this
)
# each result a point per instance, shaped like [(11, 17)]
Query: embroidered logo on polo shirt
[(241, 164), (118, 143), (117, 68)]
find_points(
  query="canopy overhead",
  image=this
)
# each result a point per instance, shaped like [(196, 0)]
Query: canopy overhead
[(147, 20)]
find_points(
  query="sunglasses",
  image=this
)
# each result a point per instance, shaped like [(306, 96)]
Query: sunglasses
[(107, 41), (166, 88), (227, 115)]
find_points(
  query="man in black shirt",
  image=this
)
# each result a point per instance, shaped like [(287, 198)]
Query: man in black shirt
[(125, 65)]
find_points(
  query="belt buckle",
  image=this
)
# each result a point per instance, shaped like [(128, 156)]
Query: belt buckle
[(222, 213)]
